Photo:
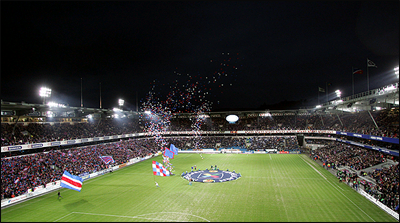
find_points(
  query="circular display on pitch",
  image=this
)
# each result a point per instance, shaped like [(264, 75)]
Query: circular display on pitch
[(211, 176)]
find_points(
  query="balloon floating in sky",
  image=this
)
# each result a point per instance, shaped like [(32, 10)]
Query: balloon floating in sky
[(187, 93)]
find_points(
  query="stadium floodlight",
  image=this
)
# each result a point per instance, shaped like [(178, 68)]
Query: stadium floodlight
[(117, 110), (120, 102), (50, 114), (266, 114), (55, 104), (318, 106), (203, 116), (44, 93), (338, 93), (147, 112), (396, 71)]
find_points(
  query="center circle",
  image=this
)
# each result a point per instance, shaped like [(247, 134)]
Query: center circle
[(211, 176)]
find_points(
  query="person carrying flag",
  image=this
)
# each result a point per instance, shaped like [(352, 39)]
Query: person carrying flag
[(59, 195), (157, 184)]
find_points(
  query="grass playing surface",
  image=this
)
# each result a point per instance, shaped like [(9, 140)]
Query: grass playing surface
[(273, 187)]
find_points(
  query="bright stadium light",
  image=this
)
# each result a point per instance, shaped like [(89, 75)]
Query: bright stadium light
[(338, 93), (55, 104), (117, 110), (120, 102), (232, 118), (396, 71), (50, 114), (44, 93)]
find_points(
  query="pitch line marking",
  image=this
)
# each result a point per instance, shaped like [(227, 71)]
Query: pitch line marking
[(339, 190), (139, 216), (64, 216)]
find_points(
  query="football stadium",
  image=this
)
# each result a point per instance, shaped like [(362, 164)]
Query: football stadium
[(335, 162), (214, 111)]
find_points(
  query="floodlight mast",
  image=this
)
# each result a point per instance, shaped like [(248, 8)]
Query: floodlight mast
[(120, 103), (338, 93), (44, 93)]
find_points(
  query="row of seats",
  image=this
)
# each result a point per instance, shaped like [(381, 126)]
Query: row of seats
[(386, 125)]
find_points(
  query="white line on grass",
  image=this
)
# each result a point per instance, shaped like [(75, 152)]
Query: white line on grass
[(64, 216), (314, 168), (287, 178), (138, 216), (321, 174), (338, 190), (270, 156)]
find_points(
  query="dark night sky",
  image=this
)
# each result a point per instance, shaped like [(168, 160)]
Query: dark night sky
[(281, 50)]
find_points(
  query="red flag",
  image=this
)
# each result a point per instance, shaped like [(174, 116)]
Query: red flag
[(357, 71)]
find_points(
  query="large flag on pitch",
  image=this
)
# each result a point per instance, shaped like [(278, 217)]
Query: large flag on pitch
[(159, 169), (71, 182), (173, 149), (107, 159), (168, 153)]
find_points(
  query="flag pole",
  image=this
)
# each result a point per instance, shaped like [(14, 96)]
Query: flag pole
[(352, 78), (154, 177), (81, 94), (100, 94), (318, 94), (326, 91), (367, 76)]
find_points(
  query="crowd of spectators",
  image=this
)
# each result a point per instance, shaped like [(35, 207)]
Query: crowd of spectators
[(361, 122), (386, 189), (340, 154), (287, 143), (20, 173), (356, 159), (21, 133), (26, 172)]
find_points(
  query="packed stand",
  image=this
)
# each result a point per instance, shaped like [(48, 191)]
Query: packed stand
[(338, 155), (361, 122), (26, 172), (386, 189)]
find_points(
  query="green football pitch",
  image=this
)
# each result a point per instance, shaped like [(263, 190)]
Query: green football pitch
[(273, 187)]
